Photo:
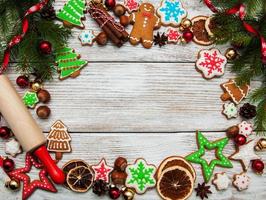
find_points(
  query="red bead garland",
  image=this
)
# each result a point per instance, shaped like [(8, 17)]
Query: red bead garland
[(22, 81), (188, 35), (240, 140), (5, 132), (258, 166), (45, 47), (8, 165)]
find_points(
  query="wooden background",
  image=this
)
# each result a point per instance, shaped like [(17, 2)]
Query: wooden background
[(135, 102)]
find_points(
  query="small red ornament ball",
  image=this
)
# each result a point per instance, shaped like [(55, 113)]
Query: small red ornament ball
[(22, 81), (258, 166), (45, 47), (8, 165), (188, 35), (240, 140), (114, 192), (110, 4), (5, 132)]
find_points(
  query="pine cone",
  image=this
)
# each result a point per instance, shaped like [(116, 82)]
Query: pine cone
[(48, 13), (248, 111), (99, 187)]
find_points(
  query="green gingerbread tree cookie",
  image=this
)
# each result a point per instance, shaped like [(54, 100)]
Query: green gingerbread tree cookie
[(68, 62), (73, 12)]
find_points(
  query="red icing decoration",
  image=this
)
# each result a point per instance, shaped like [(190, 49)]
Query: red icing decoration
[(30, 186), (102, 171)]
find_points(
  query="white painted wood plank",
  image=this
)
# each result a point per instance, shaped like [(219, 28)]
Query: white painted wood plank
[(137, 97), (169, 53), (154, 148)]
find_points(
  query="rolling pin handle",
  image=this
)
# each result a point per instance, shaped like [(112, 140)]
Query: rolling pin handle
[(56, 174)]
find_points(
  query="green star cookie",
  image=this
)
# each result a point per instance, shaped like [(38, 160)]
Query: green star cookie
[(207, 168), (140, 176), (30, 99)]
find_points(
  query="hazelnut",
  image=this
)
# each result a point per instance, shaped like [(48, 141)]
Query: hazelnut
[(118, 177), (232, 132), (120, 164)]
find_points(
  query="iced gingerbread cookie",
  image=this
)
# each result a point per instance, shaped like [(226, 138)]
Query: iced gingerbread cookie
[(211, 63), (245, 154), (241, 181), (245, 128), (145, 22), (72, 13), (131, 5), (230, 110), (87, 37), (140, 176), (171, 12), (12, 147), (102, 171), (30, 99), (234, 92), (203, 145), (221, 181), (173, 35)]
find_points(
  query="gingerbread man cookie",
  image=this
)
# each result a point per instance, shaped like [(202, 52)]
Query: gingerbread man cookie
[(145, 22), (241, 181)]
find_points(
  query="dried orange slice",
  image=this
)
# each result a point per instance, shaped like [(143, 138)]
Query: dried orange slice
[(175, 183), (201, 36), (80, 179), (71, 165), (175, 161)]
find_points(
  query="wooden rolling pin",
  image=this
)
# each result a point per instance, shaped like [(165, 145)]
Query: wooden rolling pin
[(24, 127)]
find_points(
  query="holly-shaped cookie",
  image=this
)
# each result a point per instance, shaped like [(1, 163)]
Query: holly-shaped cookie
[(145, 22)]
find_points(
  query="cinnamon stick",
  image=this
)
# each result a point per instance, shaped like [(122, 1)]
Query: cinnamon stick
[(108, 32), (123, 35)]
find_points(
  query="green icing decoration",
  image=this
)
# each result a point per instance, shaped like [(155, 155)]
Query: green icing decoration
[(68, 62), (140, 176), (207, 168), (72, 12), (30, 99)]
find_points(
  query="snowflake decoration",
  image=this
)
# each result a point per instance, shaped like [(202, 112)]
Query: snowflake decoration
[(173, 35), (171, 12), (102, 171), (140, 176), (211, 63), (131, 5), (87, 37), (12, 147), (30, 99), (230, 110)]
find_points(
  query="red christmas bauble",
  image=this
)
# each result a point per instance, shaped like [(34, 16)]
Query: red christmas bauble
[(114, 192), (240, 140), (188, 35), (258, 166), (110, 4), (22, 81), (8, 165), (45, 47), (5, 132)]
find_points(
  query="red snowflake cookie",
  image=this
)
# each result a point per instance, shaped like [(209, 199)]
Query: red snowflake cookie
[(211, 63), (131, 5), (173, 35)]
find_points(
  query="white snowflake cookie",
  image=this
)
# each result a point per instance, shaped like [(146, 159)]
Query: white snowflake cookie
[(241, 181), (140, 176), (221, 181), (87, 37), (230, 110), (131, 5), (171, 12), (211, 63), (12, 147), (173, 35), (245, 128)]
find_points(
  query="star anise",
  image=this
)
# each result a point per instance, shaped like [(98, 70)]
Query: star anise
[(161, 40), (203, 190)]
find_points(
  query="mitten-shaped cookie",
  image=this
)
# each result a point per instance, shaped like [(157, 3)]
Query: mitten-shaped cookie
[(145, 22)]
